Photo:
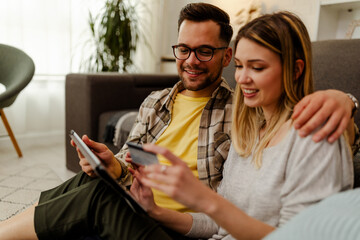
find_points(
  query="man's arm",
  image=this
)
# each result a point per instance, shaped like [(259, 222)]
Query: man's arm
[(331, 106)]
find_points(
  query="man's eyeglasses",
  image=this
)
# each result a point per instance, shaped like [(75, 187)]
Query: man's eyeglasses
[(203, 54)]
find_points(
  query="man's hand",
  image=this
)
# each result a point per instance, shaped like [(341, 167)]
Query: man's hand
[(140, 192), (103, 153), (331, 107), (128, 159)]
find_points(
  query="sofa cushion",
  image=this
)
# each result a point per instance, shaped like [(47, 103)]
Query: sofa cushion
[(123, 127), (107, 123)]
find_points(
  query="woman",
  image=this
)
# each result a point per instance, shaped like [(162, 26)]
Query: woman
[(270, 175)]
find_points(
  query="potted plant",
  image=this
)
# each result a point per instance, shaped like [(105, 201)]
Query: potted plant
[(115, 33)]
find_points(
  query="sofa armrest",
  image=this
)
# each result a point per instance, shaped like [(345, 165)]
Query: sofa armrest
[(89, 95)]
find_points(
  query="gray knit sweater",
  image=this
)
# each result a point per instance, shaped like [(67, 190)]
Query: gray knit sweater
[(295, 174)]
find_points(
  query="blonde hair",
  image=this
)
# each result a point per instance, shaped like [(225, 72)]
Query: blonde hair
[(286, 35)]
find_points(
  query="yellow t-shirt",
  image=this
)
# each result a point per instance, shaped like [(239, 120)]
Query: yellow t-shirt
[(181, 137)]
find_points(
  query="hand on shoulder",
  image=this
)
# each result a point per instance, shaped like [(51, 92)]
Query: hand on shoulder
[(331, 107)]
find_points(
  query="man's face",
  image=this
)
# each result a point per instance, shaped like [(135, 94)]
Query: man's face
[(194, 74)]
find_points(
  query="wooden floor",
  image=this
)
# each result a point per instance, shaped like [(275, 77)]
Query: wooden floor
[(50, 152)]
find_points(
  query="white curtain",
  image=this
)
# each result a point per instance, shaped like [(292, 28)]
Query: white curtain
[(50, 32)]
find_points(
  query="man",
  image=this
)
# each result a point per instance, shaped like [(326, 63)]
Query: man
[(199, 133), (193, 118)]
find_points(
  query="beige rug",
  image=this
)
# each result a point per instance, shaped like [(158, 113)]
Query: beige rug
[(21, 187)]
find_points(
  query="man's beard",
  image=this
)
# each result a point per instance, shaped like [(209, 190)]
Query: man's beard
[(202, 85)]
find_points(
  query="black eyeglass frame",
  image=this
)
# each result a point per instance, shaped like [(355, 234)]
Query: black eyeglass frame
[(174, 47)]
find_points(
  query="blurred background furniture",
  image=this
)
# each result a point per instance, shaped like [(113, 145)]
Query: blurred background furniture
[(336, 66), (16, 71), (94, 98)]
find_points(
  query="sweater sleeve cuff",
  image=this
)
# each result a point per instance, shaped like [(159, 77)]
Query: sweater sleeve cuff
[(202, 227)]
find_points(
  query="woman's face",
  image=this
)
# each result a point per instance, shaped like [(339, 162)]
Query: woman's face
[(259, 74)]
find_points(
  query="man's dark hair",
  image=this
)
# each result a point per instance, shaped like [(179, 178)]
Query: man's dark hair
[(201, 12)]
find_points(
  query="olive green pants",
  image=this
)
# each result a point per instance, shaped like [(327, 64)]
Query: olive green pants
[(85, 206)]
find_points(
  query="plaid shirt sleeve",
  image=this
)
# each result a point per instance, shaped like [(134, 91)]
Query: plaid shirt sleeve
[(214, 136)]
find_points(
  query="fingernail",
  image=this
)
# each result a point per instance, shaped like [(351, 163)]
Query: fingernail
[(316, 138), (302, 133), (296, 125), (331, 139)]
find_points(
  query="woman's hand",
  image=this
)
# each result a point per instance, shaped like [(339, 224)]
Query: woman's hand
[(128, 159), (176, 180)]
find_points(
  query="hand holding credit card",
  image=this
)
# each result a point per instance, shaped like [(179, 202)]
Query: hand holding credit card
[(140, 156)]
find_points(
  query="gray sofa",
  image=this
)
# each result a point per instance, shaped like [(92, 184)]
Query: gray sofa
[(91, 99)]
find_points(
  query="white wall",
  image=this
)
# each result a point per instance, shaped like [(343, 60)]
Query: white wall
[(307, 10)]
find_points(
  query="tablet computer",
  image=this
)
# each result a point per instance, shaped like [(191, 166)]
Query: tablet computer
[(105, 175)]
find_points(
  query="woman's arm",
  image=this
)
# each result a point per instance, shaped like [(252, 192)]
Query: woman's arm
[(180, 222), (179, 183), (177, 221), (235, 221)]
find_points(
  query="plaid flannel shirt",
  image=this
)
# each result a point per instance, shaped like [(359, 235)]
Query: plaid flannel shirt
[(214, 130)]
